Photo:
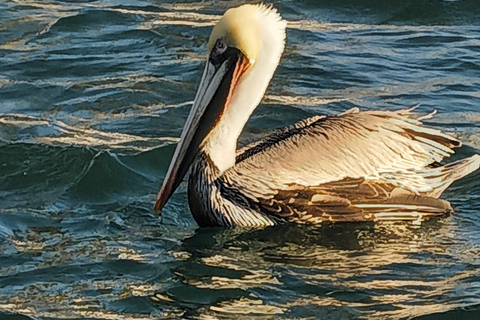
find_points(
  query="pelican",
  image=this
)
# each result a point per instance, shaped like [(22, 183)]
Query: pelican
[(355, 166)]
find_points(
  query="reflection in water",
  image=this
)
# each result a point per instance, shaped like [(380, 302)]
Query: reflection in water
[(392, 270)]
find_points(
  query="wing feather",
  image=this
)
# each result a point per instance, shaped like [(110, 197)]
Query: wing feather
[(351, 200), (356, 166), (355, 144)]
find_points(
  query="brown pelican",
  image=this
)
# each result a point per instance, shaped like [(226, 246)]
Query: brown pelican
[(355, 166)]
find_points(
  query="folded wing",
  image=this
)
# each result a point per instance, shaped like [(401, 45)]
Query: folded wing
[(378, 150)]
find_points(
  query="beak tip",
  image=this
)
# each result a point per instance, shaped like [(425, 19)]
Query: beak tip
[(162, 199), (157, 208)]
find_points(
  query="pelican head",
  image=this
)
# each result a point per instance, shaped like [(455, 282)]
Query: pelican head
[(244, 50)]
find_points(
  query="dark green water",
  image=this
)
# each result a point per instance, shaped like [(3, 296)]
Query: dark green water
[(93, 95)]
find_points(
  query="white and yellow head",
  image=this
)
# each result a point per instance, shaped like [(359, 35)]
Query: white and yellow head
[(239, 29), (244, 27), (244, 50)]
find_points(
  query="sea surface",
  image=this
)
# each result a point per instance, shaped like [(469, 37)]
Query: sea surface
[(93, 97)]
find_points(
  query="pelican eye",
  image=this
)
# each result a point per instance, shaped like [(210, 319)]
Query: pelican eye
[(220, 46), (221, 52)]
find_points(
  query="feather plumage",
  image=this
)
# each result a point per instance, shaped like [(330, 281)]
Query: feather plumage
[(356, 166)]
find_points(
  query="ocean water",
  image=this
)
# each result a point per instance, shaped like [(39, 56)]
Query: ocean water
[(93, 97)]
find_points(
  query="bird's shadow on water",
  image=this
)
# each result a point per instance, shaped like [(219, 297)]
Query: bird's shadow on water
[(344, 236), (312, 245), (227, 265)]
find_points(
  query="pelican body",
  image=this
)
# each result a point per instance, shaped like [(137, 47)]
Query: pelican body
[(355, 166)]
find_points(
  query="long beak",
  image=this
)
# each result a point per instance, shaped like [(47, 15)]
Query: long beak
[(211, 100)]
